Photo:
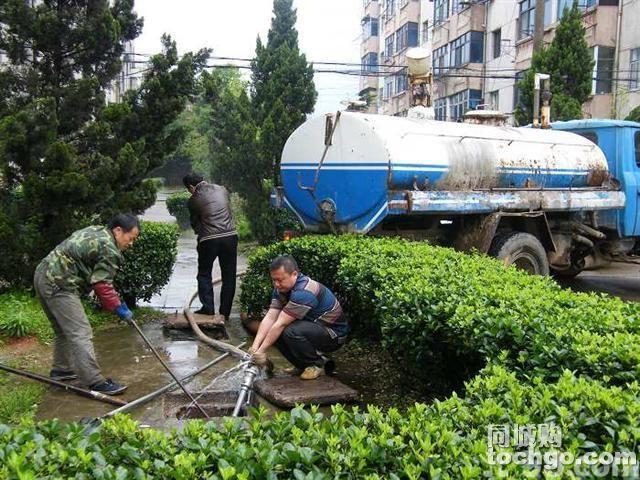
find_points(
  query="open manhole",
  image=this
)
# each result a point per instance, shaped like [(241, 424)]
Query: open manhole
[(215, 403)]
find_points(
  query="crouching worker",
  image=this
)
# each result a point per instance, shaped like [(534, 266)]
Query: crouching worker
[(304, 321), (88, 259)]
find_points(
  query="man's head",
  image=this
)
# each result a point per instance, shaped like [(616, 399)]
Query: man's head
[(284, 272), (191, 181), (125, 228)]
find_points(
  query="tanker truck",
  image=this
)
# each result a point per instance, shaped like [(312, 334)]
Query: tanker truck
[(545, 200)]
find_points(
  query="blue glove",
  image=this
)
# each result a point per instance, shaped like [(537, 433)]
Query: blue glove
[(124, 313)]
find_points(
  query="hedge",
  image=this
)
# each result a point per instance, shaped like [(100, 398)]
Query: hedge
[(177, 206), (445, 440), (551, 356), (148, 264), (423, 300)]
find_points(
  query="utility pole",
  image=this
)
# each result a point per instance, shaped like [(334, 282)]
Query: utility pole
[(538, 29)]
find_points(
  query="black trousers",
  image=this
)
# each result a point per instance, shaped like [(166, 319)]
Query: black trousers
[(225, 249), (301, 341)]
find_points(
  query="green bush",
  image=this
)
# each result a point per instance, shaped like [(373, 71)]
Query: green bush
[(148, 264), (177, 206), (425, 301), (446, 440)]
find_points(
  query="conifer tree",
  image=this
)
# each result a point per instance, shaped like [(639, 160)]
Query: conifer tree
[(569, 61), (67, 158)]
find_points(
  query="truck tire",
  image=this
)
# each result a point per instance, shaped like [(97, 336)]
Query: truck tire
[(522, 250)]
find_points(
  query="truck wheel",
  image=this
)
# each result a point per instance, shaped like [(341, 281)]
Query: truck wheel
[(522, 250)]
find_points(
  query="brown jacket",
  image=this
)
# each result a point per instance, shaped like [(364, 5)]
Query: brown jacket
[(210, 211)]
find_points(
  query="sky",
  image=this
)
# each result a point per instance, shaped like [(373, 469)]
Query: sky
[(328, 30)]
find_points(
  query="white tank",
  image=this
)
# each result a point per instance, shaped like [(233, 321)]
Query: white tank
[(371, 156)]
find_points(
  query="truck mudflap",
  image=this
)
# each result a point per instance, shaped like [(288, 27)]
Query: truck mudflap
[(479, 202)]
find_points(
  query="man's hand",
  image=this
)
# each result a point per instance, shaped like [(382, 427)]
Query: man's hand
[(124, 313), (260, 359)]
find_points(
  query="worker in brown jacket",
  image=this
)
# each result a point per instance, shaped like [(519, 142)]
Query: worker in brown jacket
[(212, 221)]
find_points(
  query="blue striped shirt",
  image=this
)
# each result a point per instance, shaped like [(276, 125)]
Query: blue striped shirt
[(310, 300)]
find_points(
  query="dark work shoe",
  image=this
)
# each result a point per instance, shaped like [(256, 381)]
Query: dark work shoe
[(61, 375), (204, 311), (109, 387)]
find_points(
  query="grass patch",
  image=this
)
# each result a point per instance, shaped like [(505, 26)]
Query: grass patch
[(21, 315), (18, 397)]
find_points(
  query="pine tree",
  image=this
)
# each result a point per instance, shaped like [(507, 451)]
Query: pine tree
[(66, 158), (283, 92), (569, 61), (249, 133)]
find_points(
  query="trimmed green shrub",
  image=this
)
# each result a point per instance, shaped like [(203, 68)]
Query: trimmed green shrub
[(177, 206), (425, 301), (148, 264), (446, 440)]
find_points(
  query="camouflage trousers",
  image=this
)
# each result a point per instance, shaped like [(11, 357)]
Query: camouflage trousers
[(73, 346)]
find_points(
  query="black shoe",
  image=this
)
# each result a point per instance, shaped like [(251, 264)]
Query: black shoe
[(204, 311), (61, 375), (109, 387)]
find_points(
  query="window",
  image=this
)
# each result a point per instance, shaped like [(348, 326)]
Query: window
[(440, 11), (494, 100), (547, 13), (402, 82), (407, 36), (634, 69), (370, 27), (464, 101), (390, 11), (526, 19), (467, 48), (567, 4), (388, 46), (603, 69), (440, 60), (592, 136), (369, 62), (496, 38), (440, 107), (637, 142), (425, 32), (388, 87)]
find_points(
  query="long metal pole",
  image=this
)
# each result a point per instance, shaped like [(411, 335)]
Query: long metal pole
[(166, 367), (167, 388), (101, 397)]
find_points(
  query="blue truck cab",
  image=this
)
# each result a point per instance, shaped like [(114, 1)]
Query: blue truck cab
[(620, 142)]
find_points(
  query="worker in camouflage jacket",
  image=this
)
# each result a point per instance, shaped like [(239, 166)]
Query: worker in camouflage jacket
[(88, 260)]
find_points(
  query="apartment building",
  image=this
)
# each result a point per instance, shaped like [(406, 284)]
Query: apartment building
[(369, 53), (129, 77), (400, 25), (481, 48), (626, 84)]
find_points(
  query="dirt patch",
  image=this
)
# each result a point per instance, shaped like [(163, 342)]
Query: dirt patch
[(14, 347)]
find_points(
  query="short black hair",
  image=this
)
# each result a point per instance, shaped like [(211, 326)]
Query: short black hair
[(285, 261), (126, 221), (192, 179)]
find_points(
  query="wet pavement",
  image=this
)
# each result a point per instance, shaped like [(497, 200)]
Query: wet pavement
[(123, 355), (617, 279)]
